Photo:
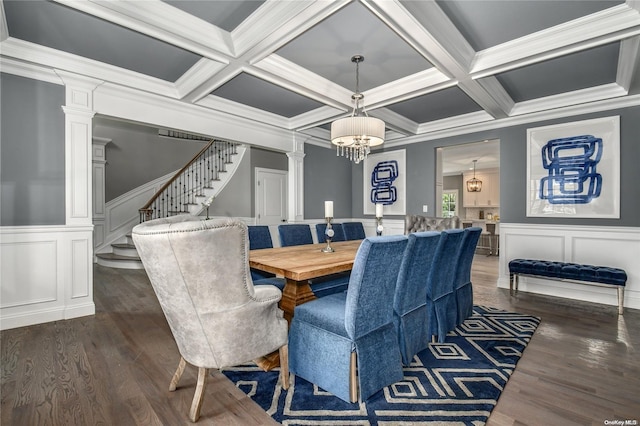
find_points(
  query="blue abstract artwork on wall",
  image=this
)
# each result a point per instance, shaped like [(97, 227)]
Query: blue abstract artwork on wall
[(571, 165), (382, 177)]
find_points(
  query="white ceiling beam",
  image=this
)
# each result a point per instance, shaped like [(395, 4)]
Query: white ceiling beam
[(291, 76), (163, 22), (606, 26), (226, 106), (438, 40), (628, 75), (420, 83), (279, 27), (577, 97), (4, 28), (396, 122), (277, 22), (196, 76), (46, 56)]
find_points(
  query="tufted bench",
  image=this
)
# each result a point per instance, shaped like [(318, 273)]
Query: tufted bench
[(584, 274)]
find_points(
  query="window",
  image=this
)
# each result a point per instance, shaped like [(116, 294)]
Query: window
[(449, 203)]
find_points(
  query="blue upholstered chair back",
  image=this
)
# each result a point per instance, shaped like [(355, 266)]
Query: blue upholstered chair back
[(410, 300), (294, 234), (441, 299), (353, 231), (337, 229), (259, 237), (372, 284), (464, 289)]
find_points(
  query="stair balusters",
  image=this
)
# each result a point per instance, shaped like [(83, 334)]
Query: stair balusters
[(188, 183)]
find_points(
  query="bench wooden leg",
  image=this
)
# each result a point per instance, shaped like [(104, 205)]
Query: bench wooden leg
[(620, 300)]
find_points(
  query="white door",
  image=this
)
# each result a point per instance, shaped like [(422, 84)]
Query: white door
[(271, 196)]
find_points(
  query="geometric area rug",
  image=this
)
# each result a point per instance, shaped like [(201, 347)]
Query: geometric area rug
[(457, 382)]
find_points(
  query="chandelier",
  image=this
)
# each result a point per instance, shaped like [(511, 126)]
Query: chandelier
[(474, 185), (355, 135)]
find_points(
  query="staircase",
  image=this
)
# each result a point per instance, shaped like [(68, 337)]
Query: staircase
[(197, 183)]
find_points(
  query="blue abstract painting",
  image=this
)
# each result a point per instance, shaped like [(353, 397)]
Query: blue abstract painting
[(573, 169), (384, 180), (571, 165), (382, 177)]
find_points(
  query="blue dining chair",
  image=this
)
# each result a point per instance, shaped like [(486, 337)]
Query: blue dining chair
[(294, 234), (463, 286), (260, 238), (441, 296), (410, 300), (353, 231), (337, 231), (332, 337)]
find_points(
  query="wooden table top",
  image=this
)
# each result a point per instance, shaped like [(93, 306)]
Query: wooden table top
[(305, 261)]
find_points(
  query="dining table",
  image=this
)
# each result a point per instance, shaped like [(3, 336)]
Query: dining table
[(301, 263)]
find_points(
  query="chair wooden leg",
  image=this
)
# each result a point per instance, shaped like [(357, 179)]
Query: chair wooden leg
[(620, 300), (177, 375), (284, 366), (196, 405), (353, 378)]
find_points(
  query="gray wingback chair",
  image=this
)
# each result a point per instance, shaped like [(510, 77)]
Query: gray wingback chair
[(199, 270), (419, 223)]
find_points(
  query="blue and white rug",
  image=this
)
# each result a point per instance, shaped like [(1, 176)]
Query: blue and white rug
[(457, 381)]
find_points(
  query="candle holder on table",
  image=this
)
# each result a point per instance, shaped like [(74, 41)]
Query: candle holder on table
[(379, 226), (328, 234)]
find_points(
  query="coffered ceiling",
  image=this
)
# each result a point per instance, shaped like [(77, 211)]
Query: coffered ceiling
[(431, 67)]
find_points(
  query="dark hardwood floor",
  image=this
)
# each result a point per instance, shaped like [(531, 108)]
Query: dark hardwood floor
[(582, 366)]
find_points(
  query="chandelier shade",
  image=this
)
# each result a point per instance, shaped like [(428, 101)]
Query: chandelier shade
[(355, 135), (353, 130)]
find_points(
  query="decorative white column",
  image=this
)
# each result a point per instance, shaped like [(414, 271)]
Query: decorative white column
[(78, 268), (78, 113), (295, 182)]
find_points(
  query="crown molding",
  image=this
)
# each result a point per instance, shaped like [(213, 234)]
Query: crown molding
[(45, 56), (134, 105), (314, 118), (28, 70), (569, 111), (239, 110), (164, 22), (609, 25), (575, 98), (460, 120)]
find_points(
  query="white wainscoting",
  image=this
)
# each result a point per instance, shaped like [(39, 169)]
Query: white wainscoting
[(121, 213), (596, 245), (46, 274)]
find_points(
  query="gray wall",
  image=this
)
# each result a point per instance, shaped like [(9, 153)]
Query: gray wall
[(327, 177), (421, 172), (137, 155), (32, 152)]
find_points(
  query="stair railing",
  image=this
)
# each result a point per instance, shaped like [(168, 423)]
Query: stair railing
[(190, 181)]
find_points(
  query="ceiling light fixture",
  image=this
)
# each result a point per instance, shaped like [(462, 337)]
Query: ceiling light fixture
[(355, 135), (474, 185)]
